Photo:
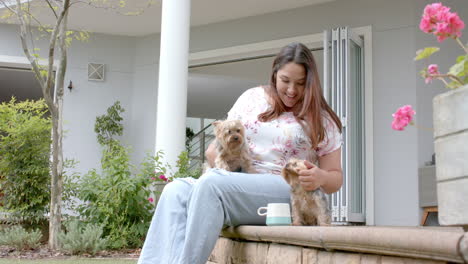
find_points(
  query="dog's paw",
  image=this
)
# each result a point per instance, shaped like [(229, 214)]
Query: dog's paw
[(297, 223)]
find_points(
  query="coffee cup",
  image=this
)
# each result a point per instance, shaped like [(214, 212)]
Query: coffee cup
[(276, 214)]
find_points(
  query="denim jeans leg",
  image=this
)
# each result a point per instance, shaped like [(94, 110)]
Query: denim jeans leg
[(166, 234), (221, 198), (189, 217)]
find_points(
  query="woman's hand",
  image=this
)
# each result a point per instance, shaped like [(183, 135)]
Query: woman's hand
[(329, 176), (312, 178)]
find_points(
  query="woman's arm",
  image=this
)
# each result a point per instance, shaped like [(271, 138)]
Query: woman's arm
[(210, 154), (329, 176)]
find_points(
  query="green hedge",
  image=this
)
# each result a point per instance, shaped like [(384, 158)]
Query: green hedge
[(25, 138)]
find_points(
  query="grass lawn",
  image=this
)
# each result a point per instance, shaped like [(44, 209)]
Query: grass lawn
[(68, 261)]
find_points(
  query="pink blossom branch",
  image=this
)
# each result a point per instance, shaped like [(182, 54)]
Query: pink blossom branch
[(462, 45), (448, 75), (423, 128), (443, 80)]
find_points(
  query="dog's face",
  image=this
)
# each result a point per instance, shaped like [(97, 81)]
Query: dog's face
[(229, 133), (291, 170)]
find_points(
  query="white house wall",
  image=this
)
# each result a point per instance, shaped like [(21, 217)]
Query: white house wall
[(144, 97), (88, 99), (395, 153)]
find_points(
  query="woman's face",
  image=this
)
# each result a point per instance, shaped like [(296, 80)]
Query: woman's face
[(290, 83)]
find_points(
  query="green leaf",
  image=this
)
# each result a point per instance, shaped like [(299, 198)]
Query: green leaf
[(44, 73), (459, 68), (465, 80), (453, 85), (460, 58), (423, 73), (425, 53)]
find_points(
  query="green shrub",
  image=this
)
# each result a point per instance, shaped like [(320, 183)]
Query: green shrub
[(117, 199), (113, 196), (19, 238), (24, 159), (70, 181), (117, 196), (82, 238), (183, 167)]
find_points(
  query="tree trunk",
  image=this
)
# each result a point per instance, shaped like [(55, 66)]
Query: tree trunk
[(57, 130), (56, 183)]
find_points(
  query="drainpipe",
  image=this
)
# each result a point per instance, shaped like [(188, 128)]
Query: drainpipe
[(173, 75)]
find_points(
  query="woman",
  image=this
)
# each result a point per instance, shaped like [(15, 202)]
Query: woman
[(289, 118)]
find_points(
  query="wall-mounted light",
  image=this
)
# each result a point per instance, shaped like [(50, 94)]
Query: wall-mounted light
[(70, 86)]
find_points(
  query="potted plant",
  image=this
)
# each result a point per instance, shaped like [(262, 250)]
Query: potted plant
[(450, 116)]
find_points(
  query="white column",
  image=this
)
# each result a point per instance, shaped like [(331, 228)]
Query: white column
[(173, 75)]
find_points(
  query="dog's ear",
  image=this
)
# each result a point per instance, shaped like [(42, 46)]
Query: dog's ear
[(242, 128), (217, 128), (286, 176), (216, 123)]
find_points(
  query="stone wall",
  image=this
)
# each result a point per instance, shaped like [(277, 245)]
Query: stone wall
[(229, 251), (340, 244)]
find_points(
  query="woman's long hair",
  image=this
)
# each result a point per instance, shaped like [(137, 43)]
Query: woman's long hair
[(313, 103)]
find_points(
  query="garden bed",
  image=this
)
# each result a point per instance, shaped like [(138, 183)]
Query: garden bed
[(43, 252)]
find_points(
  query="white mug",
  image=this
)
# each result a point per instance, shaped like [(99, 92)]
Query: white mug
[(276, 213)]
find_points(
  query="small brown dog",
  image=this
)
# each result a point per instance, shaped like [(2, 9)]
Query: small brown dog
[(308, 207), (232, 152)]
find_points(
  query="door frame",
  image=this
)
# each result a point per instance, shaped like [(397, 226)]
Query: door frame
[(264, 48), (21, 62)]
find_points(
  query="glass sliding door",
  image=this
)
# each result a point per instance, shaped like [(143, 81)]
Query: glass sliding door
[(344, 91)]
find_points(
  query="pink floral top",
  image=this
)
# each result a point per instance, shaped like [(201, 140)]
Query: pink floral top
[(273, 143)]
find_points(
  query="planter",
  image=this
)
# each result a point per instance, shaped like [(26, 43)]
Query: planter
[(451, 149)]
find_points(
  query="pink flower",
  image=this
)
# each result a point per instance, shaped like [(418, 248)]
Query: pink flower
[(402, 117), (457, 24), (431, 70), (151, 200), (153, 178), (425, 25), (162, 177), (438, 20)]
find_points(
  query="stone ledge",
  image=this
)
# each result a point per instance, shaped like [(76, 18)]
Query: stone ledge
[(228, 251), (422, 243)]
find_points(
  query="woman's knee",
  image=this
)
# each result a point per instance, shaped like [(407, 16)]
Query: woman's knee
[(215, 181), (175, 189), (212, 178)]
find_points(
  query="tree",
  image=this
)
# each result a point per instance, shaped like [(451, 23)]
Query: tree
[(52, 86), (54, 101)]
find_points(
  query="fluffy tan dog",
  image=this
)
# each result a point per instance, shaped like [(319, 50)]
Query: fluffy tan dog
[(232, 152), (308, 207)]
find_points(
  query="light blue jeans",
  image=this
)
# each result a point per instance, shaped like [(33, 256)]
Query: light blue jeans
[(189, 216)]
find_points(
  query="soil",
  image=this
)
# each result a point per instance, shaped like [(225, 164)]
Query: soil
[(43, 252)]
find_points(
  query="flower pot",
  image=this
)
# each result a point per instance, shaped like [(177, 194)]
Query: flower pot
[(451, 149)]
